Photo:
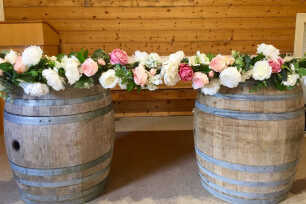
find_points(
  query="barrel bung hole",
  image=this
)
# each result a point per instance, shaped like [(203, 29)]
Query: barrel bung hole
[(16, 145)]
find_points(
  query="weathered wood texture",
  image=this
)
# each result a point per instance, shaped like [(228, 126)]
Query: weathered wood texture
[(60, 145), (240, 157), (164, 26)]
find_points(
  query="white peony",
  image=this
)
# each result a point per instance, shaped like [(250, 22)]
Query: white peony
[(212, 88), (34, 89), (71, 67), (246, 75), (11, 57), (31, 55), (176, 57), (170, 73), (230, 77), (53, 79), (291, 80), (268, 51), (262, 70), (141, 57), (153, 60), (109, 79)]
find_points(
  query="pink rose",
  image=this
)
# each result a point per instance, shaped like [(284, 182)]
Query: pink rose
[(199, 80), (276, 65), (119, 57), (101, 62), (229, 60), (153, 71), (185, 72), (19, 67), (89, 67), (140, 75), (218, 63), (211, 74)]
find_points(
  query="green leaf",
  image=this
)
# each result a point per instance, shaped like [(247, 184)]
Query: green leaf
[(259, 57)]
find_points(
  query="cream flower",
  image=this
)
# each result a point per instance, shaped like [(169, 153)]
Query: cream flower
[(202, 58), (230, 77), (53, 79), (212, 88), (109, 79), (70, 65), (170, 73), (34, 89), (11, 57), (262, 70), (246, 75), (268, 51), (141, 57), (31, 55), (291, 80), (176, 57)]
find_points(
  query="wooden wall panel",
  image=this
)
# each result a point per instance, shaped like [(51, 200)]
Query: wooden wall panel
[(163, 26)]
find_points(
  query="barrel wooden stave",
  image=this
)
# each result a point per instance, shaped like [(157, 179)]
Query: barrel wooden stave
[(255, 143), (64, 153)]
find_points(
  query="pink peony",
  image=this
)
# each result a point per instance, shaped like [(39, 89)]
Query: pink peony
[(199, 80), (89, 67), (101, 62), (185, 72), (218, 63), (276, 65), (140, 75), (119, 57), (211, 74), (19, 67)]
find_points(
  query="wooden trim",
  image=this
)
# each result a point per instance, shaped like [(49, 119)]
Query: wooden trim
[(1, 11), (299, 34)]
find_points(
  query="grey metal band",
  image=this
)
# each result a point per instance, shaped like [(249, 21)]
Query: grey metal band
[(92, 177), (53, 120), (246, 168), (53, 102), (246, 183), (247, 115), (249, 97), (235, 200), (75, 198), (245, 194), (60, 171)]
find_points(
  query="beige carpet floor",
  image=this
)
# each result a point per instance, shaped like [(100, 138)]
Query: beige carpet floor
[(153, 167)]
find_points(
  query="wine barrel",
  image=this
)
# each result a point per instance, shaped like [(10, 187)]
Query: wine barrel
[(60, 145), (247, 143)]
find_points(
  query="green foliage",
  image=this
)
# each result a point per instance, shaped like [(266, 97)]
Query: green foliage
[(210, 56), (81, 55), (98, 54), (259, 57), (185, 60), (201, 68), (84, 82), (126, 76)]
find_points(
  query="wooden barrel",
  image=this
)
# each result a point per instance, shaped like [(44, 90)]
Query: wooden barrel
[(60, 145), (247, 143)]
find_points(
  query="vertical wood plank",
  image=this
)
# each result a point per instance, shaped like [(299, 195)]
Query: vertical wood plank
[(299, 34), (1, 11)]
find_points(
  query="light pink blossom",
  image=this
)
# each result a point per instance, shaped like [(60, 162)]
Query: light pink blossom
[(218, 63), (89, 67), (199, 80), (140, 75), (119, 57)]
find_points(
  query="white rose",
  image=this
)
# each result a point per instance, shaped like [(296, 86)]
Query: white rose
[(11, 57), (34, 89), (212, 88), (262, 70), (268, 51), (109, 79), (70, 66), (230, 77), (170, 73), (153, 60), (141, 57), (53, 79), (202, 58), (31, 55), (291, 80), (246, 75)]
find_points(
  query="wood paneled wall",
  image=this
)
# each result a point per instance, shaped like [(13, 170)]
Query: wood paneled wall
[(164, 26)]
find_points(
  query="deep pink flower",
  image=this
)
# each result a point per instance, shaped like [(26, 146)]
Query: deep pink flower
[(185, 72), (276, 65)]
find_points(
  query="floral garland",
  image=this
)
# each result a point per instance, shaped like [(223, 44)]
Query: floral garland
[(37, 73)]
